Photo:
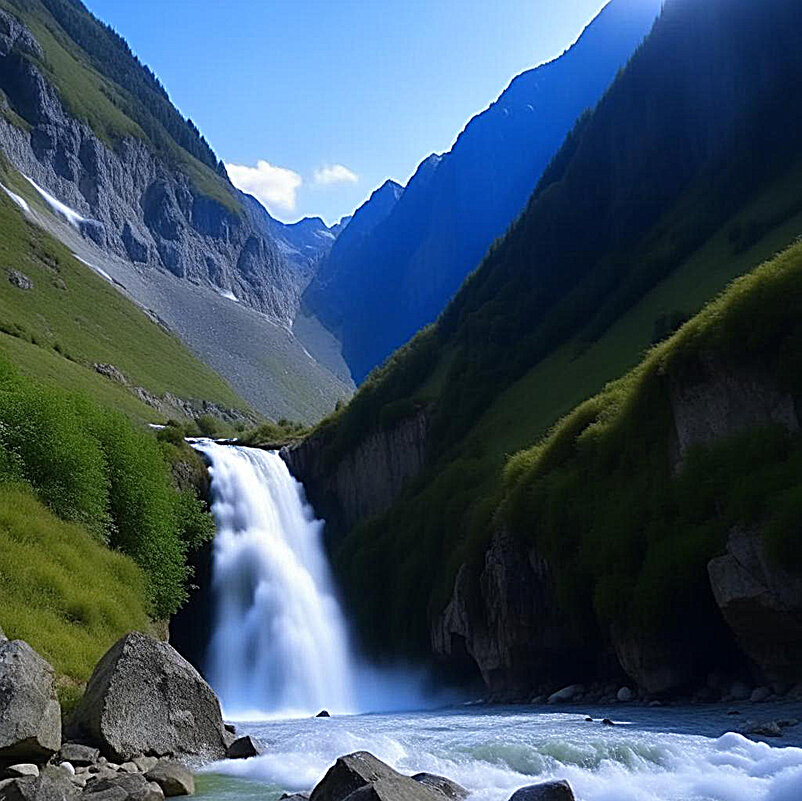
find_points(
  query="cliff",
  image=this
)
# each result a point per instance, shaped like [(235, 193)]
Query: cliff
[(367, 478)]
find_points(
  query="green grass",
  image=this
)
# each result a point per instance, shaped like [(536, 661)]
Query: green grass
[(78, 315), (63, 592)]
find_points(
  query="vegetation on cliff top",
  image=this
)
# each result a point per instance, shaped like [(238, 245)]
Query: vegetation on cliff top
[(673, 186)]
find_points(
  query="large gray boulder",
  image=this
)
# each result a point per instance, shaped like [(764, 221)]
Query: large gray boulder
[(546, 791), (363, 777), (145, 699), (30, 715)]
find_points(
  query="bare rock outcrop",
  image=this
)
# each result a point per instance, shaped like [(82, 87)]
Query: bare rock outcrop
[(368, 478), (761, 602), (514, 629)]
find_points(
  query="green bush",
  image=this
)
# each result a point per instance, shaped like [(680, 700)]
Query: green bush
[(93, 466)]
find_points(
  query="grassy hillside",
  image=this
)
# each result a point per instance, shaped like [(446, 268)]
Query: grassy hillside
[(64, 592), (672, 187), (627, 537), (73, 318)]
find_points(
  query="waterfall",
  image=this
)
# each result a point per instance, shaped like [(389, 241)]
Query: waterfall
[(279, 644)]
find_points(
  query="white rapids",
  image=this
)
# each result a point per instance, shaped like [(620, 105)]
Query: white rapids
[(280, 644)]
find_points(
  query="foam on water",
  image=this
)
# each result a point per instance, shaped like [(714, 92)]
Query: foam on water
[(494, 754)]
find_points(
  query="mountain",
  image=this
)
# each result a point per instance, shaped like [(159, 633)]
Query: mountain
[(135, 190), (330, 293), (377, 294), (609, 545)]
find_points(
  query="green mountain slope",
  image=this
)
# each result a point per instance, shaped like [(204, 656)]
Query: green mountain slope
[(673, 186)]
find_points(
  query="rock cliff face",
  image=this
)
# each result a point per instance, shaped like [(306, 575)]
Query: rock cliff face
[(512, 628), (133, 202), (507, 619), (367, 479)]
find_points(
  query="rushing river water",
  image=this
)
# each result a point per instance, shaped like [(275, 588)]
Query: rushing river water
[(280, 650), (664, 754)]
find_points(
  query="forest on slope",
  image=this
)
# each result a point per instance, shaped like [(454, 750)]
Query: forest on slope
[(682, 178)]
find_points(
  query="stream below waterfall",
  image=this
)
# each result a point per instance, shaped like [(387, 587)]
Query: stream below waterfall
[(280, 651)]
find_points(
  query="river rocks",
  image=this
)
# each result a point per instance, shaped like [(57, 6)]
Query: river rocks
[(173, 778), (52, 784), (78, 754), (761, 602), (440, 784), (244, 748), (123, 787), (546, 791), (363, 777), (30, 715), (323, 714), (144, 698)]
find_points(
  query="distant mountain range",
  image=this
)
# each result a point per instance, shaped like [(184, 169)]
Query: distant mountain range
[(378, 289)]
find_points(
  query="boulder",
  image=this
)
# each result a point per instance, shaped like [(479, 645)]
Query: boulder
[(244, 748), (760, 694), (52, 784), (304, 796), (173, 778), (624, 695), (566, 694), (324, 713), (443, 786), (30, 715), (78, 754), (144, 698), (768, 728), (144, 764), (123, 787), (23, 769), (363, 777), (547, 791), (761, 602), (348, 774), (394, 788)]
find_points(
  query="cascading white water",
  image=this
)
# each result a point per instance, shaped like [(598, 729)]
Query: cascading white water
[(279, 644)]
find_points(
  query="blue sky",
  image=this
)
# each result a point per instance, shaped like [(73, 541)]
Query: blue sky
[(319, 102)]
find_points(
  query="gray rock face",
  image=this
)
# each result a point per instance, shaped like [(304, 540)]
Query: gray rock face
[(547, 791), (714, 401), (367, 479), (517, 636), (362, 777), (136, 205), (144, 698), (30, 715), (761, 602), (440, 784), (173, 778)]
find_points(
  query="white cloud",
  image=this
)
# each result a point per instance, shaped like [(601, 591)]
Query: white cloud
[(275, 187), (334, 174)]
